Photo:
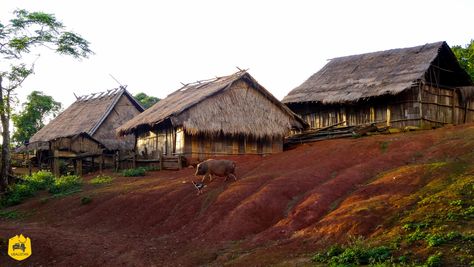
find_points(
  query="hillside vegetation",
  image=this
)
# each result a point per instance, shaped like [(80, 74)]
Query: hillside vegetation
[(402, 199)]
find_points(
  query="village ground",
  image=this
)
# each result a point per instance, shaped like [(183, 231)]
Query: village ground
[(283, 208)]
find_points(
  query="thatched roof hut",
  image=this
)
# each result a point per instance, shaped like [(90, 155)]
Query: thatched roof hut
[(201, 107), (367, 80), (226, 115), (390, 72), (97, 116)]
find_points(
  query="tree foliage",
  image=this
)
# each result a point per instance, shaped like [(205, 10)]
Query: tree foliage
[(145, 100), (32, 117), (19, 37), (465, 57)]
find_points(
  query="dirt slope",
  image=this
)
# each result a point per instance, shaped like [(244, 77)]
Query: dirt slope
[(282, 208)]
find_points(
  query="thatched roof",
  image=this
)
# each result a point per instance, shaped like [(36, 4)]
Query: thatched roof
[(352, 78), (84, 116), (209, 107)]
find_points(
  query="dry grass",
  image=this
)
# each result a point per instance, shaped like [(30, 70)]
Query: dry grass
[(236, 103)]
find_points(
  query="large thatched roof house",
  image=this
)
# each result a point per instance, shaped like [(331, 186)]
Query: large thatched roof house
[(225, 115), (418, 86), (87, 127)]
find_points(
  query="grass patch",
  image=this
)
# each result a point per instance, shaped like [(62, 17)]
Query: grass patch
[(41, 180), (101, 179), (65, 185), (356, 253), (134, 172), (10, 214)]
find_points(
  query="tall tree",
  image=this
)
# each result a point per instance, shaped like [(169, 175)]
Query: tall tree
[(145, 100), (18, 37), (31, 118), (465, 57)]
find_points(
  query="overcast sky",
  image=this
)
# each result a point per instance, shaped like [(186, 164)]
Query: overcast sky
[(152, 46)]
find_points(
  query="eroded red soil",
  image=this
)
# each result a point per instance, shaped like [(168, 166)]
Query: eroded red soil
[(282, 207)]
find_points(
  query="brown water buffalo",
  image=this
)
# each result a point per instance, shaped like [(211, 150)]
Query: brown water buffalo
[(219, 167)]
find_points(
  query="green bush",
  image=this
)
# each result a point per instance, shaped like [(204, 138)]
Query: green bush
[(65, 184), (40, 180), (434, 260), (134, 172), (354, 254), (17, 193), (101, 179), (434, 240), (7, 214)]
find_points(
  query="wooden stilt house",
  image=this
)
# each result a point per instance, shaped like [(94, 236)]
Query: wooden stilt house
[(84, 133), (231, 115), (421, 86)]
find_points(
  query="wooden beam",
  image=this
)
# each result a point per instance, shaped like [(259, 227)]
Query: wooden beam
[(79, 167), (64, 154)]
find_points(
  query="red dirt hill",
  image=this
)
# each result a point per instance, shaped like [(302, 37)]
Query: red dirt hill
[(282, 208)]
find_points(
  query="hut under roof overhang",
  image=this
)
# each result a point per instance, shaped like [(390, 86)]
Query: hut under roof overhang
[(230, 115), (85, 131), (422, 86)]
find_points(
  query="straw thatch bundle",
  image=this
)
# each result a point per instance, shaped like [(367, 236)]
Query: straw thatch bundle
[(234, 104), (390, 72), (86, 116)]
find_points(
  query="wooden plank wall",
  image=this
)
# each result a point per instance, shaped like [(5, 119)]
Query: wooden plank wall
[(199, 146), (422, 106), (203, 146)]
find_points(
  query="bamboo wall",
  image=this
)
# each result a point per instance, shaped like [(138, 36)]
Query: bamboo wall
[(421, 106), (175, 142)]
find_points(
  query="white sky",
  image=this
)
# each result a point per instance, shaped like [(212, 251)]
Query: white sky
[(152, 46)]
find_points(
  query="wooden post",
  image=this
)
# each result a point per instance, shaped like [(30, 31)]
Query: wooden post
[(134, 162), (180, 166), (56, 170), (101, 163), (79, 167), (372, 114), (420, 100), (29, 167), (453, 119), (117, 160), (161, 161), (388, 115)]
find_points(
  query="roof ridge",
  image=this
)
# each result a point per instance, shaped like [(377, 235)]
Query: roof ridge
[(421, 47), (210, 80), (117, 95), (97, 95)]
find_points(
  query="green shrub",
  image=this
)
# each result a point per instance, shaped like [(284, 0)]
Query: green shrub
[(101, 179), (40, 180), (434, 240), (354, 254), (86, 200), (65, 184), (469, 212), (434, 260), (415, 236), (9, 214), (453, 235), (134, 172), (17, 193)]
